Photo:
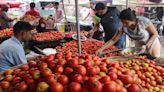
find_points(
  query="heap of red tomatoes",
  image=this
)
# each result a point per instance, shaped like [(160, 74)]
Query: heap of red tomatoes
[(8, 32), (48, 36), (69, 73), (88, 47)]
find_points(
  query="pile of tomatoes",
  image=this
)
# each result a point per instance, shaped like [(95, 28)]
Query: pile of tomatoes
[(8, 32), (88, 47), (69, 73), (48, 36)]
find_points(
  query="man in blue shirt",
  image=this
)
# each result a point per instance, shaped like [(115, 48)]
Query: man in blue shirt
[(11, 50), (109, 19)]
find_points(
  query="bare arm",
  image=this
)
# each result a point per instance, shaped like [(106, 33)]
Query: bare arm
[(115, 38), (95, 28), (153, 34), (6, 17), (110, 42)]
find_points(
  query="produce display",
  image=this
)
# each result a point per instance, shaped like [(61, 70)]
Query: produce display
[(89, 46), (30, 18), (48, 36), (6, 32), (85, 73), (150, 76), (69, 34)]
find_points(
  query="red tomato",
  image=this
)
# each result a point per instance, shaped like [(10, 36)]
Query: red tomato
[(63, 79), (113, 76), (126, 79), (68, 70), (32, 63), (8, 78), (91, 71), (105, 79), (134, 88), (4, 84), (22, 87), (80, 69), (56, 87), (46, 72), (72, 63), (77, 78), (50, 58), (58, 69), (95, 86), (43, 66), (75, 87), (51, 78), (25, 67), (110, 87)]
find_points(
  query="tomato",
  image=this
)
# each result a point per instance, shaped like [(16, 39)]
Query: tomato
[(68, 70), (25, 67), (57, 87), (29, 80), (51, 78), (50, 58), (87, 64), (75, 87), (81, 70), (72, 63), (91, 79), (59, 55), (77, 78), (46, 72), (32, 63), (91, 71), (110, 87), (9, 72), (16, 71), (95, 86), (105, 79), (126, 79), (32, 87), (16, 80), (58, 69), (8, 78), (35, 74), (119, 82), (113, 76), (61, 62), (42, 87), (134, 88), (112, 69), (22, 87), (103, 68), (63, 79), (118, 88), (4, 84), (43, 66)]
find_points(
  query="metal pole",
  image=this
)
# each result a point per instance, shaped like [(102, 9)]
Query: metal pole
[(78, 27), (127, 3)]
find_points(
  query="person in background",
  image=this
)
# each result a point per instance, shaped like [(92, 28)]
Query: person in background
[(58, 13), (4, 18), (91, 12), (32, 10), (42, 25), (11, 50), (140, 29), (109, 19)]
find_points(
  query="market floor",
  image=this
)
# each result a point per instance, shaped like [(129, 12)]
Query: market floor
[(162, 43)]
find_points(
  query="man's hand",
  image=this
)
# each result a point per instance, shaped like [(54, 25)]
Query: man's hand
[(99, 52), (90, 34)]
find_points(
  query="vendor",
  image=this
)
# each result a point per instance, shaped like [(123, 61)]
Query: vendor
[(32, 10), (109, 19), (139, 29), (11, 50), (4, 18), (58, 13)]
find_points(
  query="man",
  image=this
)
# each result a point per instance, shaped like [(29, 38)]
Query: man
[(11, 50), (109, 19), (4, 19), (58, 13), (32, 10)]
